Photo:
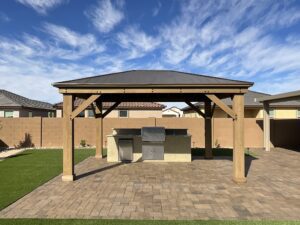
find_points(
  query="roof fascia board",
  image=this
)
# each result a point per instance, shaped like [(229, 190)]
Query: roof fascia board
[(295, 95), (154, 90), (121, 85)]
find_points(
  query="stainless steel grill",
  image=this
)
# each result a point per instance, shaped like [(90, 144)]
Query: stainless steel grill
[(153, 139)]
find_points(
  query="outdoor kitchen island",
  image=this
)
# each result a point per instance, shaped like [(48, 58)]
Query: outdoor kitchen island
[(149, 144)]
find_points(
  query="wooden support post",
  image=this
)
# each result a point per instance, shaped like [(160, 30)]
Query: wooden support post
[(267, 141), (99, 132), (238, 140), (208, 129), (68, 139)]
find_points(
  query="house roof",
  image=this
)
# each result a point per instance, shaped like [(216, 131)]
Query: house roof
[(151, 78), (172, 108), (281, 97), (9, 99), (252, 100), (123, 105)]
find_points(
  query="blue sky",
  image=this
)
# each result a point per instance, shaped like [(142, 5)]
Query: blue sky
[(42, 42)]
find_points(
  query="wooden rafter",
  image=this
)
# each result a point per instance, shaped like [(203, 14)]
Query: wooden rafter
[(97, 109), (222, 105), (213, 109), (98, 105), (84, 105), (115, 105), (195, 109)]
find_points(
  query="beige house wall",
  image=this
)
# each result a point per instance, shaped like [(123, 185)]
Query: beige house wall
[(131, 113), (249, 113), (24, 112), (137, 114), (285, 113), (47, 132)]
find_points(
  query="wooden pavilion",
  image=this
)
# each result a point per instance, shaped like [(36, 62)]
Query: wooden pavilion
[(154, 85)]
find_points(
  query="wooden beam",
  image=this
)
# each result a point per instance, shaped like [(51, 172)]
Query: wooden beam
[(238, 140), (84, 105), (213, 109), (110, 109), (195, 109), (222, 105), (68, 139), (149, 90), (266, 112), (94, 110), (167, 97), (99, 131), (97, 109), (208, 129)]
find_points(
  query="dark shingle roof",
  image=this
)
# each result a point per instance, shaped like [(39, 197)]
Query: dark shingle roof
[(252, 100), (9, 99), (123, 105), (149, 77)]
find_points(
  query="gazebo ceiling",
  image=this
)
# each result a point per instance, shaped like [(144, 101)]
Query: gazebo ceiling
[(151, 78)]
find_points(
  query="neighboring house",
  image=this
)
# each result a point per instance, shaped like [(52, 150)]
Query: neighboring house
[(124, 110), (13, 105), (253, 108), (172, 112)]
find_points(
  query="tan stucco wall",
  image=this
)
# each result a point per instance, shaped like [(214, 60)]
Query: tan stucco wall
[(48, 131)]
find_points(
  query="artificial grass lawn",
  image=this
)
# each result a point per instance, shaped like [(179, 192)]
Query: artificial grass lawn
[(22, 173), (138, 222)]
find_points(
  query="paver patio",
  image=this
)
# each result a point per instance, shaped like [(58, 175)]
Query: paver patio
[(201, 189)]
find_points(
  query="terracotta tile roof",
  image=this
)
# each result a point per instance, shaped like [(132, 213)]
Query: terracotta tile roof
[(123, 105)]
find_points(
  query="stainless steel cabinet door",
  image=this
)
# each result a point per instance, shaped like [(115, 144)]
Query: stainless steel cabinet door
[(125, 149), (153, 151)]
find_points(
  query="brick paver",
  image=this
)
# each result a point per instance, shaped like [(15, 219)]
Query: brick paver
[(202, 189)]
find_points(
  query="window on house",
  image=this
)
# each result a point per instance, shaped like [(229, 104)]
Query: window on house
[(50, 114), (90, 113), (29, 114), (8, 114), (123, 113), (272, 113), (81, 114)]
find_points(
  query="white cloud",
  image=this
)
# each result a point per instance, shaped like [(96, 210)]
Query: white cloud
[(236, 39), (105, 16), (41, 6), (156, 9), (280, 84), (180, 39), (137, 41), (4, 17), (81, 44), (63, 44)]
